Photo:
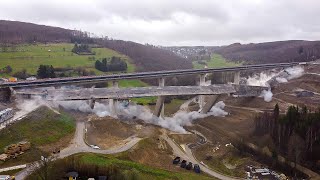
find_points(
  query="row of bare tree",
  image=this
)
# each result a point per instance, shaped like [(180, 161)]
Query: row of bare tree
[(295, 134)]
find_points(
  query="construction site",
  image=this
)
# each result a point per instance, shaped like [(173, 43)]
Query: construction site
[(214, 144)]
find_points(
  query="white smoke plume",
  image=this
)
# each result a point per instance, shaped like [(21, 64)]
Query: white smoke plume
[(263, 79), (267, 95), (175, 123)]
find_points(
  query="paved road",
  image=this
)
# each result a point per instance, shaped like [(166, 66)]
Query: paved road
[(78, 145), (13, 168), (177, 151)]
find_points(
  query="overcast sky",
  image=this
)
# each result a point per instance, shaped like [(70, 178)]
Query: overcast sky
[(176, 22)]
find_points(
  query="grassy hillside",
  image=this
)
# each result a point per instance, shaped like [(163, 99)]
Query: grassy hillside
[(94, 164), (42, 128), (216, 61), (29, 57)]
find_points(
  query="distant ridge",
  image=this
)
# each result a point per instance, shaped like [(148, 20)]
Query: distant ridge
[(22, 32), (272, 52)]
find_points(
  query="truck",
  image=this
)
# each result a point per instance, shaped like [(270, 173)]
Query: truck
[(13, 79)]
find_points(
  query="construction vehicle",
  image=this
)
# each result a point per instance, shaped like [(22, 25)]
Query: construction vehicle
[(176, 160), (12, 79)]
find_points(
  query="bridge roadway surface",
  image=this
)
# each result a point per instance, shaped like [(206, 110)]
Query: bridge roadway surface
[(141, 75), (125, 93)]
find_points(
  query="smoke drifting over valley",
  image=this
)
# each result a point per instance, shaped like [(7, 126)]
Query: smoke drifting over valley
[(137, 112), (267, 79)]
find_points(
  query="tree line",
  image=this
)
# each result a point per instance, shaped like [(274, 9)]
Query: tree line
[(295, 133), (81, 49), (112, 64)]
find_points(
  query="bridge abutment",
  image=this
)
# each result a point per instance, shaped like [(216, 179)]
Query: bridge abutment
[(6, 94), (159, 109)]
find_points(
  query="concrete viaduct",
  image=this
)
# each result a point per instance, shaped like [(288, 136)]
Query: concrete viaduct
[(207, 94)]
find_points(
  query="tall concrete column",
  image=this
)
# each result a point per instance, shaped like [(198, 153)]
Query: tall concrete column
[(211, 100), (112, 102), (92, 101), (6, 94), (159, 109), (202, 82), (236, 79)]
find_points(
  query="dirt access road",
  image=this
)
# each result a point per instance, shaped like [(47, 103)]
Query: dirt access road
[(78, 145), (187, 155)]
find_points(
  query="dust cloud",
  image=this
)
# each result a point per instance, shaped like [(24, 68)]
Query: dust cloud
[(264, 79), (136, 112)]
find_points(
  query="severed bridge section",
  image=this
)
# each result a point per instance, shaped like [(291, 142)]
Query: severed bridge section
[(136, 92), (114, 94)]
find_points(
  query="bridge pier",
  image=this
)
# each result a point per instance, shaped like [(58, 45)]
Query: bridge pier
[(113, 102), (6, 94), (202, 82), (159, 109), (236, 79), (92, 102), (211, 100)]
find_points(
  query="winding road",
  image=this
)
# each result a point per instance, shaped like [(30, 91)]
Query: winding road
[(78, 145)]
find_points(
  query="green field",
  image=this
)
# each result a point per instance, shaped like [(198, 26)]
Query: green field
[(29, 57), (114, 167), (41, 127), (216, 61)]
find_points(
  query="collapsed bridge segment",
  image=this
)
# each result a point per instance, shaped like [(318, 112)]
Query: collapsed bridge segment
[(93, 94)]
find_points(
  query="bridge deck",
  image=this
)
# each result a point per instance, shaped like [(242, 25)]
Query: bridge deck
[(124, 93)]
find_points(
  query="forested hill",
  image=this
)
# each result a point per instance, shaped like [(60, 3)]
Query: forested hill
[(149, 57), (272, 52), (146, 57), (21, 32)]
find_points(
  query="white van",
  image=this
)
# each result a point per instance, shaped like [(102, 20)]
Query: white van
[(5, 177)]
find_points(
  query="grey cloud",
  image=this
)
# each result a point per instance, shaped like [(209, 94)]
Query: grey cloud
[(178, 22)]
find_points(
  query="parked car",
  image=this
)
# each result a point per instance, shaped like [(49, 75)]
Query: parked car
[(196, 168), (94, 147), (189, 166), (176, 160), (183, 164)]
